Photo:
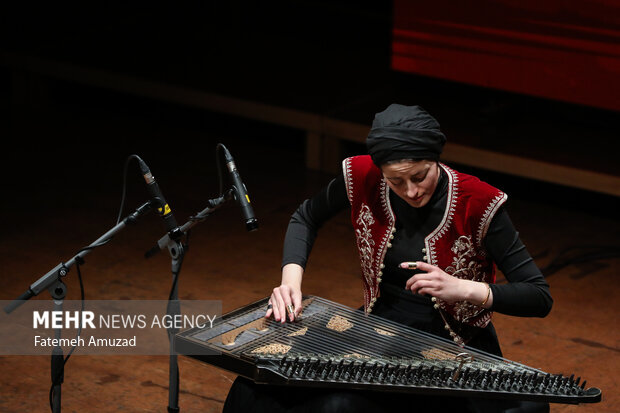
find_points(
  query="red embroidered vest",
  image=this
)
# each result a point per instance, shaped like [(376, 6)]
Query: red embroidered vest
[(455, 245)]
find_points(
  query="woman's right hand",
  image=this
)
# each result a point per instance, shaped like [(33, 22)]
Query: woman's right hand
[(281, 299), (287, 294)]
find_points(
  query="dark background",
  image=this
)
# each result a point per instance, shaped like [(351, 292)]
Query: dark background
[(326, 57)]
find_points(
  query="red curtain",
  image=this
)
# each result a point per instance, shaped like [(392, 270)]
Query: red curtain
[(563, 50)]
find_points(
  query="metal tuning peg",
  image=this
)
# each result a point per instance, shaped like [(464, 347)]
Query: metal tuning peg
[(462, 358)]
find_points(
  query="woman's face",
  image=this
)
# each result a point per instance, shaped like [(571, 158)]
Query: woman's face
[(413, 181)]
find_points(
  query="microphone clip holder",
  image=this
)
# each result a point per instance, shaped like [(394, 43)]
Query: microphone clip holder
[(178, 232)]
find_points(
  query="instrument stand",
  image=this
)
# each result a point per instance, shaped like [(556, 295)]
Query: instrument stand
[(177, 253), (58, 290)]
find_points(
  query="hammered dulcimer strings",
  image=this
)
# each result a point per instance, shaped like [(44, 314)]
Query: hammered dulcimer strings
[(397, 344)]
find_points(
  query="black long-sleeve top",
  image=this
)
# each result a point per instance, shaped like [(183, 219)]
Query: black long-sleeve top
[(527, 293)]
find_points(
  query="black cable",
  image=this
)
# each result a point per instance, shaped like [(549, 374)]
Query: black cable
[(92, 247), (186, 244), (120, 212), (175, 277), (219, 168)]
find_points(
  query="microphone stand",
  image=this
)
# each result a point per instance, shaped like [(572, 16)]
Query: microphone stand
[(52, 281), (177, 253), (58, 290)]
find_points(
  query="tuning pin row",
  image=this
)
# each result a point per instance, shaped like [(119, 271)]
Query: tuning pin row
[(379, 372)]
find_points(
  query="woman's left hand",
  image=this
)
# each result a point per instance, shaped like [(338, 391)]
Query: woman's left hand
[(437, 283)]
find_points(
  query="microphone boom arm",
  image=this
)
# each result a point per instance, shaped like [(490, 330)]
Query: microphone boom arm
[(214, 204), (62, 269)]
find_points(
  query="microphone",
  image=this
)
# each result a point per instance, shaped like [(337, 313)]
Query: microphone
[(240, 193), (161, 206)]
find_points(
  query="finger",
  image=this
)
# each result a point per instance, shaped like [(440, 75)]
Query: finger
[(409, 282), (269, 310), (408, 265), (415, 287), (417, 277), (426, 267), (420, 284), (412, 281), (412, 284), (288, 305), (280, 305), (427, 285), (297, 302), (427, 291), (275, 308)]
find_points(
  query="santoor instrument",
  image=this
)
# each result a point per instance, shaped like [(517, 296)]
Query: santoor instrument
[(331, 345)]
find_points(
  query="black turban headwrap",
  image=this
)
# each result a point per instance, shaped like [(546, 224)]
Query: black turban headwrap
[(404, 132)]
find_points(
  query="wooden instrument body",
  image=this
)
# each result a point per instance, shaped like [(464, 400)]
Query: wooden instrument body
[(335, 346)]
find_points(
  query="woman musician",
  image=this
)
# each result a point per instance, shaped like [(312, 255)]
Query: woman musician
[(429, 239)]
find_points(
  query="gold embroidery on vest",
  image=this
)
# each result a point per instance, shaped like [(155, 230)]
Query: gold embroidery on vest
[(365, 243), (465, 267)]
